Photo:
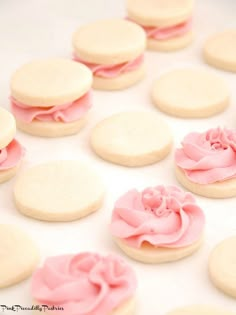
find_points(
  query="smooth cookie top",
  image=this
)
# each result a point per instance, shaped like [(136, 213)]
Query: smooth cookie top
[(109, 42), (159, 12), (50, 82)]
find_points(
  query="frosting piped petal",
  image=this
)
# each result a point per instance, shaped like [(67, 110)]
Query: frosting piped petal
[(208, 157), (83, 284), (166, 219)]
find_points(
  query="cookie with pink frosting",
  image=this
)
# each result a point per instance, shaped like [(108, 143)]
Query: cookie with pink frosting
[(167, 23), (11, 151), (51, 97), (159, 224), (113, 50), (85, 284), (206, 163)]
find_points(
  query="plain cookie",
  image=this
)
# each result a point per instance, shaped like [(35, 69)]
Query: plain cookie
[(222, 267), (220, 50), (58, 191), (132, 138), (190, 93), (18, 255)]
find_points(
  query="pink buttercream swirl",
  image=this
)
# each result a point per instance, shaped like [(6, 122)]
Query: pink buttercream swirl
[(83, 284), (61, 113), (11, 155), (208, 157), (161, 216), (164, 33), (112, 71)]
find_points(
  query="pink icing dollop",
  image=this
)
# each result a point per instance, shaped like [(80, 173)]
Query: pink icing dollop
[(83, 284), (61, 113), (112, 71), (11, 155), (208, 157), (161, 216)]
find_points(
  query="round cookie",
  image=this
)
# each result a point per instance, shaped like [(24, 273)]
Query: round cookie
[(50, 98), (159, 12), (18, 255), (190, 93), (200, 310), (120, 42), (132, 138), (152, 255), (222, 267), (32, 84), (58, 191), (218, 190), (220, 50), (8, 128), (112, 49)]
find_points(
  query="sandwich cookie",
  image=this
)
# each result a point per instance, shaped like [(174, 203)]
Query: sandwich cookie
[(222, 267), (51, 98), (113, 49), (58, 191), (220, 50), (11, 152), (206, 163), (190, 93), (132, 139), (18, 255), (167, 23), (201, 310), (85, 284), (157, 225)]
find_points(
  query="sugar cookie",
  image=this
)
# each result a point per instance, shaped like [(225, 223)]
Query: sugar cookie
[(201, 310), (50, 98), (160, 224), (132, 138), (58, 191), (190, 93), (11, 152), (222, 267), (18, 255), (86, 287), (167, 23), (206, 163), (220, 50), (113, 49)]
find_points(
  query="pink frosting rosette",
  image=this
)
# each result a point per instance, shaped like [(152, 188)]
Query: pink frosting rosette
[(161, 216), (61, 113), (112, 71), (11, 155), (83, 284), (208, 157)]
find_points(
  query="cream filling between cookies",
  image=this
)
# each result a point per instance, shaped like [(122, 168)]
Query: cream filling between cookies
[(165, 33), (112, 71), (61, 113)]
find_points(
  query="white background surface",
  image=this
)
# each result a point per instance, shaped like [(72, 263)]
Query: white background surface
[(31, 29)]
